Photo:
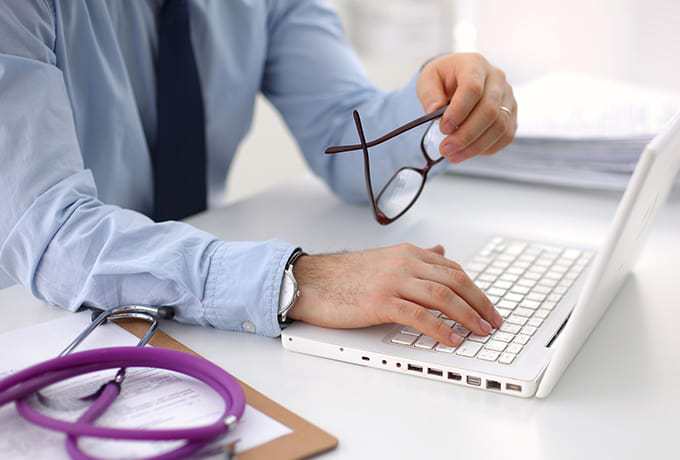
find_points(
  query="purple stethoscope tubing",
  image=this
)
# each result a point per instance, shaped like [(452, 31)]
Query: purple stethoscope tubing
[(19, 386)]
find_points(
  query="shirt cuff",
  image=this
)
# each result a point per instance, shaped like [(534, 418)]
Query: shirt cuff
[(243, 285)]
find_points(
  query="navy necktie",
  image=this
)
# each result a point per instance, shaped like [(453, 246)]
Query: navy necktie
[(179, 158)]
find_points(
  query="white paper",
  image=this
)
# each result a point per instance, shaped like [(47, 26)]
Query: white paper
[(577, 130), (150, 398)]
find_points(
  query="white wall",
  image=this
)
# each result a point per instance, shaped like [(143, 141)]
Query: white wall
[(634, 40)]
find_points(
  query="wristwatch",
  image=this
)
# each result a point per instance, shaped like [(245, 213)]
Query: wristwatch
[(290, 291)]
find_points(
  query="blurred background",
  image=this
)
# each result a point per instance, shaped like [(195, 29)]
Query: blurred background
[(636, 43)]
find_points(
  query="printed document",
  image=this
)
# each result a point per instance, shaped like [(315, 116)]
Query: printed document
[(150, 398)]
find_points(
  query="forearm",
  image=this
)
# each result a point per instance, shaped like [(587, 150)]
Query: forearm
[(314, 78), (69, 248)]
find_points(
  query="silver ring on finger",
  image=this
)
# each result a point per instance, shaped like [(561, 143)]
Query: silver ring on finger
[(506, 110)]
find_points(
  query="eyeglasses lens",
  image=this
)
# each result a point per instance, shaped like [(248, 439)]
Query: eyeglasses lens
[(399, 192), (433, 137)]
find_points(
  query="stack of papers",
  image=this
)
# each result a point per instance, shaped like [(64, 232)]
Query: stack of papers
[(577, 130)]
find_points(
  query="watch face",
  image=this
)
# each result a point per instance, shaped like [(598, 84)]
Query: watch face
[(287, 291)]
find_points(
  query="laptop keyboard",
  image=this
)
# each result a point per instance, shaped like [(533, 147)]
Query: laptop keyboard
[(525, 281)]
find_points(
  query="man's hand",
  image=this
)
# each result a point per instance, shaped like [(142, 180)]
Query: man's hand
[(396, 284), (474, 122)]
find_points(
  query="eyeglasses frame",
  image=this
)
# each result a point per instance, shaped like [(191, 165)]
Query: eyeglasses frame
[(380, 216)]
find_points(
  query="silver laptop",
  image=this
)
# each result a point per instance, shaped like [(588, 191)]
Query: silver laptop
[(551, 298)]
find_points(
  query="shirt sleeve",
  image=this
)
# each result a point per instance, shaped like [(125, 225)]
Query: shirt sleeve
[(315, 80), (70, 249)]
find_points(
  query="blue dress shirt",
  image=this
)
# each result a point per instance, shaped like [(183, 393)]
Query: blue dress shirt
[(77, 120)]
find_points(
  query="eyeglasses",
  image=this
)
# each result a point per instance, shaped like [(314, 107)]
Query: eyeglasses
[(404, 187)]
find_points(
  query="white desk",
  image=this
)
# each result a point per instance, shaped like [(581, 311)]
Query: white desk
[(618, 399)]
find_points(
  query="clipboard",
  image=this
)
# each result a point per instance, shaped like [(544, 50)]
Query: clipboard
[(306, 440)]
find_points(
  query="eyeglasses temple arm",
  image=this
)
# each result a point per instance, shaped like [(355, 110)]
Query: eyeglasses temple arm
[(402, 129)]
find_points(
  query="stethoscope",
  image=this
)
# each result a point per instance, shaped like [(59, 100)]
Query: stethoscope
[(202, 440)]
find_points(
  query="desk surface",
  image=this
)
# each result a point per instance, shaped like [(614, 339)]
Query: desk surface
[(618, 399)]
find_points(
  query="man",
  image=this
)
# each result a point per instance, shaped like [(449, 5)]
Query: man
[(114, 111)]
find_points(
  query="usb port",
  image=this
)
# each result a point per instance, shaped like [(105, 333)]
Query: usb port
[(493, 385), (453, 376), (436, 372), (414, 368), (476, 381), (513, 387)]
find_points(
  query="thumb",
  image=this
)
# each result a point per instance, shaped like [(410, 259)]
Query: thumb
[(437, 249), (431, 90)]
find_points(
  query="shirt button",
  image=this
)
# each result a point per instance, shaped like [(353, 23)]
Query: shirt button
[(247, 326)]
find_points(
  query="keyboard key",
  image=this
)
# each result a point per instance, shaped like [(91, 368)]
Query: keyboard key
[(532, 276), (479, 338), (516, 319), (404, 339), (506, 358), (425, 342), (483, 285), (522, 265), (536, 322), (468, 349), (561, 269), (488, 355), (521, 339), (549, 305), (444, 348), (510, 328), (522, 290), (515, 248), (409, 330), (551, 275), (495, 345), (526, 282), (514, 297), (542, 313), (514, 348), (554, 297), (509, 277), (502, 284), (536, 296), (449, 322), (460, 330), (475, 267), (484, 277), (541, 289), (515, 271), (500, 264), (493, 271), (494, 299), (504, 336), (528, 330), (560, 290), (506, 304), (523, 312), (571, 254), (506, 257), (532, 304), (496, 291), (504, 312), (434, 313), (486, 260), (547, 282)]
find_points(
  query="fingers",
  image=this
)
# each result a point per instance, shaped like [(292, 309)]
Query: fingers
[(510, 125), (437, 249), (469, 89), (431, 90), (438, 296), (460, 283), (484, 119), (411, 314)]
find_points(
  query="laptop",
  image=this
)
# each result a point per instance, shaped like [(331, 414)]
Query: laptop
[(551, 298)]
